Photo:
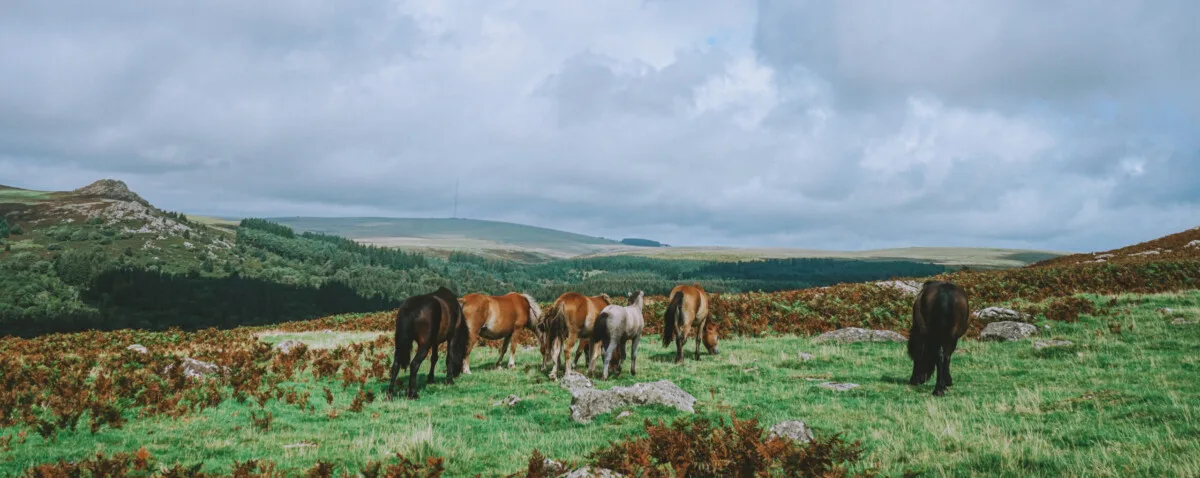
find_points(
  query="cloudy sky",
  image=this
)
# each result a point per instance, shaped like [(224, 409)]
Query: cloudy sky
[(1069, 125)]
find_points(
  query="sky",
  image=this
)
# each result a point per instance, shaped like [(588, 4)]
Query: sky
[(1071, 125)]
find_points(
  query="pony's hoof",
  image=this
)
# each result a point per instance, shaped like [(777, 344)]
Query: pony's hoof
[(937, 392)]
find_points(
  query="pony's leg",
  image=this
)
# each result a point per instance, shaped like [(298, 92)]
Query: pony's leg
[(473, 334), (679, 339), (943, 372), (608, 353), (633, 355), (433, 353), (503, 349), (403, 351), (699, 340), (414, 367), (555, 356), (950, 347), (512, 352), (920, 357)]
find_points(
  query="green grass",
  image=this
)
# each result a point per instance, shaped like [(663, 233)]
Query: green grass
[(1122, 404), (22, 196)]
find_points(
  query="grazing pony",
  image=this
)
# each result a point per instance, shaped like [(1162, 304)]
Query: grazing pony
[(499, 317), (429, 320), (688, 306), (569, 320), (616, 325), (940, 318)]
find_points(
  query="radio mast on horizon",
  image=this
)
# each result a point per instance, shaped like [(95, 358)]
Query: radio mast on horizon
[(455, 216)]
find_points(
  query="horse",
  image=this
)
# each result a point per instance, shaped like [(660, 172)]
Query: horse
[(940, 317), (499, 317), (429, 320), (616, 325), (570, 319), (688, 306)]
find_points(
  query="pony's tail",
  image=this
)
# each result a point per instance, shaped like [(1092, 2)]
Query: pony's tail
[(600, 331), (671, 317)]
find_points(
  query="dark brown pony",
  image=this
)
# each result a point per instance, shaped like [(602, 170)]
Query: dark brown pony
[(429, 320), (499, 317), (688, 306), (569, 320), (940, 317)]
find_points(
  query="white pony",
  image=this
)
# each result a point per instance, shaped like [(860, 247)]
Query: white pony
[(614, 326)]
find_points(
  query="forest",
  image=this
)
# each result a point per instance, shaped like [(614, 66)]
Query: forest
[(271, 273)]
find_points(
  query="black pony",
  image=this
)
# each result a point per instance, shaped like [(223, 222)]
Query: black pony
[(940, 318), (429, 320)]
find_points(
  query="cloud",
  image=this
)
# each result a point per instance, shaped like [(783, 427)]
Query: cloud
[(813, 124)]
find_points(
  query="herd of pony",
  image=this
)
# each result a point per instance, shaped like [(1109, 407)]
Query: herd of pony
[(594, 325)]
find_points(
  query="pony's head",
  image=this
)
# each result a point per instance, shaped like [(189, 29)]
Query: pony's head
[(635, 298), (710, 337)]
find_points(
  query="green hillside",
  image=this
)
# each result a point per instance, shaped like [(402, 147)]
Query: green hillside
[(451, 234)]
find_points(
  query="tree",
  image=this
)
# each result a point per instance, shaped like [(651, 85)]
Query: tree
[(4, 230)]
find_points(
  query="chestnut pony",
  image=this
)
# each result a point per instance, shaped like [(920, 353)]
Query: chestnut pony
[(688, 307), (429, 320), (569, 320), (940, 317), (499, 317)]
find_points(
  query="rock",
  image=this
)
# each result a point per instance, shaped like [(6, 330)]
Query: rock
[(286, 346), (839, 387), (796, 430), (575, 381), (856, 334), (193, 368), (993, 314), (805, 356), (1007, 330), (1041, 344), (1165, 311), (587, 403), (139, 348), (624, 414), (1183, 321), (906, 286), (110, 189), (589, 472), (1152, 252), (1195, 243), (553, 467), (508, 402)]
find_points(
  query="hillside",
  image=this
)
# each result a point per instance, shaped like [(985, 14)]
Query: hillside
[(1175, 247), (974, 257), (452, 234), (104, 257)]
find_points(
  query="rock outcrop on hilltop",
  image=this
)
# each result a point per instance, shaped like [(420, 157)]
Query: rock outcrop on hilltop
[(111, 189)]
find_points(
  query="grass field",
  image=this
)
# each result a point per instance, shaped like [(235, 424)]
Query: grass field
[(22, 196), (1115, 404)]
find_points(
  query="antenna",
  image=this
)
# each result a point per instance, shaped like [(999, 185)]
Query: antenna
[(455, 216)]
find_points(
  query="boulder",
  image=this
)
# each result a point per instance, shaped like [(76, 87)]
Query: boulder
[(589, 472), (587, 403), (1183, 321), (839, 387), (794, 429), (1041, 344), (508, 402), (575, 381), (193, 368), (286, 346), (1007, 330), (996, 314), (804, 356), (139, 348), (906, 286), (856, 334)]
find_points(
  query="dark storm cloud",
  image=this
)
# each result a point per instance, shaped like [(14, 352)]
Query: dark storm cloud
[(1066, 125)]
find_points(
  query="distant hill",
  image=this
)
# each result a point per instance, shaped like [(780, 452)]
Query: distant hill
[(974, 257), (453, 234), (1175, 247), (633, 241)]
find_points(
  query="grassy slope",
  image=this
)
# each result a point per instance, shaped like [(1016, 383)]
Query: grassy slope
[(1117, 405)]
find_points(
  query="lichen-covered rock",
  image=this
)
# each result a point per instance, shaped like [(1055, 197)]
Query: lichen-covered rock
[(589, 472), (508, 402), (587, 403), (839, 387), (856, 334), (198, 369), (794, 429), (1007, 330), (575, 381), (996, 314), (139, 348), (909, 287), (286, 346), (1041, 344)]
